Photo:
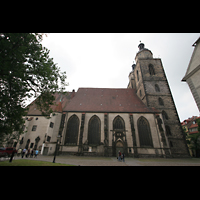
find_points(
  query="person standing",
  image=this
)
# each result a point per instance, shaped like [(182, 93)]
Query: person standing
[(123, 157), (23, 152), (32, 152), (119, 156), (19, 152), (27, 153), (36, 153)]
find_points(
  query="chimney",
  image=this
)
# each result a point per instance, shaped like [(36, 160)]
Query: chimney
[(73, 93)]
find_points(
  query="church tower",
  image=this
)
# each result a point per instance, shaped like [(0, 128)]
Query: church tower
[(149, 80)]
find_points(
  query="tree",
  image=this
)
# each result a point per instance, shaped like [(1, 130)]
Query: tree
[(26, 70), (193, 141)]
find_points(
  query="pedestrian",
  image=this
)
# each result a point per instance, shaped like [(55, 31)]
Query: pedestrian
[(119, 156), (27, 153), (123, 157), (23, 152), (32, 152), (36, 153), (19, 152)]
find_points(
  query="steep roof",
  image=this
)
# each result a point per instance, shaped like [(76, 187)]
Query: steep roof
[(107, 100), (194, 64), (58, 107), (65, 99)]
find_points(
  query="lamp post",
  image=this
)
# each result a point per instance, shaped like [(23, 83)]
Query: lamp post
[(56, 149)]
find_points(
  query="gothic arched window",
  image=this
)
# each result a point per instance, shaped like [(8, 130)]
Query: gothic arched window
[(144, 132), (165, 116), (36, 142), (168, 131), (72, 130), (151, 70), (160, 100), (27, 144), (118, 123), (157, 88), (22, 140), (94, 131), (137, 76)]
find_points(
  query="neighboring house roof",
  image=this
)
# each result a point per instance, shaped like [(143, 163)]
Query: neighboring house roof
[(188, 122), (60, 105), (107, 100), (193, 126)]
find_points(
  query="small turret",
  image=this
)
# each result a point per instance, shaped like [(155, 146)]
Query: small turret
[(133, 66), (141, 46), (143, 53)]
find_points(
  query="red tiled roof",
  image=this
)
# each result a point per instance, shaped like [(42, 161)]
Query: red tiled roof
[(193, 132), (107, 100), (56, 108), (193, 126)]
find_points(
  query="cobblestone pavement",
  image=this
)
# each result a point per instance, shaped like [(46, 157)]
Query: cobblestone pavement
[(112, 161)]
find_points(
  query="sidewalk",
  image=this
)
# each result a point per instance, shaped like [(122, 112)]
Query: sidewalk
[(112, 161), (80, 160)]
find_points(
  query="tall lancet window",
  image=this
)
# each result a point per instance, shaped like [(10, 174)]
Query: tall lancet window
[(94, 131), (144, 133), (72, 131)]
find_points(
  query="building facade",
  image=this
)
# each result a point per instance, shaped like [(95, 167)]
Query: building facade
[(193, 73), (190, 127), (140, 120)]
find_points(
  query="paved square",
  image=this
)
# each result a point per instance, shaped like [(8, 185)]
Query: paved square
[(112, 161)]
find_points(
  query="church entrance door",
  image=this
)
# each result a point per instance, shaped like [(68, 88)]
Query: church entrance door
[(119, 147), (46, 149)]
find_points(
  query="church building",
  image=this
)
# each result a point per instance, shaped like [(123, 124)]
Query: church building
[(140, 120)]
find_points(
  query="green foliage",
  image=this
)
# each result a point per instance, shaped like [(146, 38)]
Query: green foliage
[(198, 122), (26, 70), (193, 140)]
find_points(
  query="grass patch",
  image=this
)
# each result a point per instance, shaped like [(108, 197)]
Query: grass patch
[(22, 162)]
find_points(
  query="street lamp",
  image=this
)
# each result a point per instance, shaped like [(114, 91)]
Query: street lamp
[(56, 149)]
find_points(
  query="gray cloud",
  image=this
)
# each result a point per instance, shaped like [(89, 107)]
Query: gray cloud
[(104, 60)]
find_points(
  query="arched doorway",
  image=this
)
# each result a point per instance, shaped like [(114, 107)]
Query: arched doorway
[(119, 136), (119, 147)]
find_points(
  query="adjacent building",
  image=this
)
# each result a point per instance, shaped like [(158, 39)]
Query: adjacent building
[(190, 127), (192, 76)]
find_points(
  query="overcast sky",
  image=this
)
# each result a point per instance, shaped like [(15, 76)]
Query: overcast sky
[(104, 60)]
